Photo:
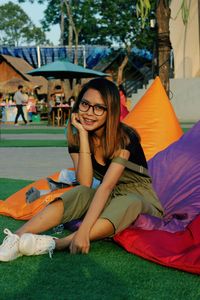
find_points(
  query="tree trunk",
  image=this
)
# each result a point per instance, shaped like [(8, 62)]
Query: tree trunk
[(122, 66), (163, 13), (70, 28), (76, 32), (70, 42), (62, 24), (76, 47)]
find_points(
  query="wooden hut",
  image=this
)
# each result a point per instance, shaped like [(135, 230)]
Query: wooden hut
[(13, 67)]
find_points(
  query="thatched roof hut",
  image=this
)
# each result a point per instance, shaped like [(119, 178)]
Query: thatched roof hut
[(13, 67)]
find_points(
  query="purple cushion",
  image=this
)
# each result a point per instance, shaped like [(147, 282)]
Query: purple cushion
[(176, 178)]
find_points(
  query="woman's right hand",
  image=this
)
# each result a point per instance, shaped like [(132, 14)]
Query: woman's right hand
[(82, 161), (76, 123)]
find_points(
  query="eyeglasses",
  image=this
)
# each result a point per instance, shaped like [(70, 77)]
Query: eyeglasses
[(98, 109)]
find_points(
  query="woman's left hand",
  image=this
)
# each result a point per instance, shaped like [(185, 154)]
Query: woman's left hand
[(80, 243)]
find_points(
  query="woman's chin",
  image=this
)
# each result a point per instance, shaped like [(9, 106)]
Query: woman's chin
[(89, 127)]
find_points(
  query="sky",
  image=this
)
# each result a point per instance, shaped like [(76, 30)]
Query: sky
[(35, 13)]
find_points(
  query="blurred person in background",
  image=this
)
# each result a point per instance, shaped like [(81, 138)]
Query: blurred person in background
[(31, 107), (20, 101), (123, 100)]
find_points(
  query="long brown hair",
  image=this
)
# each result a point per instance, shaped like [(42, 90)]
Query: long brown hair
[(115, 135)]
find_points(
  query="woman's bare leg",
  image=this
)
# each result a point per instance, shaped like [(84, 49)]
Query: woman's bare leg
[(48, 218), (102, 228)]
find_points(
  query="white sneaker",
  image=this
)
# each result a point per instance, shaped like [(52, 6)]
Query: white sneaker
[(9, 249), (35, 244)]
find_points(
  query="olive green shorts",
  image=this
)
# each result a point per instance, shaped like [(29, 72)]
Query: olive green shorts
[(125, 203)]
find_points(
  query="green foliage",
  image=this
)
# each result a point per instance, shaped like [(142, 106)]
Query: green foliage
[(52, 14), (16, 28), (185, 12), (184, 9), (101, 22), (120, 24), (32, 1), (143, 8), (84, 17)]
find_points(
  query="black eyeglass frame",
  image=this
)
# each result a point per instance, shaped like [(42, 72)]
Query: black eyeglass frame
[(104, 108)]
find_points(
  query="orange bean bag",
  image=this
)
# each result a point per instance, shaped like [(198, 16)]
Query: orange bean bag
[(154, 118), (16, 206)]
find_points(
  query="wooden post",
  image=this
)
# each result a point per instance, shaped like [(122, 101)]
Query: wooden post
[(49, 91)]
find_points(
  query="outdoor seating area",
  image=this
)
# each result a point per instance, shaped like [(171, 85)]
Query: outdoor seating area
[(99, 150), (104, 253), (60, 115), (50, 100)]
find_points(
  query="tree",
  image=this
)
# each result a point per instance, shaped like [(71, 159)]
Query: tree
[(120, 24), (72, 29), (106, 22), (16, 28), (163, 14), (101, 22), (81, 12), (55, 13)]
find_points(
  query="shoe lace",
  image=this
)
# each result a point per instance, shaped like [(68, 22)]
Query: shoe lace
[(7, 238), (51, 248)]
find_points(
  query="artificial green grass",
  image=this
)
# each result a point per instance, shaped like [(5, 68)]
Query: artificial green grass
[(33, 143), (185, 129), (108, 272), (33, 130), (10, 186)]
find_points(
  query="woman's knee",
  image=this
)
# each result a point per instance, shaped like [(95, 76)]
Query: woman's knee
[(57, 203)]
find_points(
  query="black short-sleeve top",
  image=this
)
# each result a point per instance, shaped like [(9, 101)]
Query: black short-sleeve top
[(134, 147)]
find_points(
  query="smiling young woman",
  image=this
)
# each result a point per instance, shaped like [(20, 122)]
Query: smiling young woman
[(102, 147)]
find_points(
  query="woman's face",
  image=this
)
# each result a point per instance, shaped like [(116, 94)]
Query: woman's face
[(95, 117)]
